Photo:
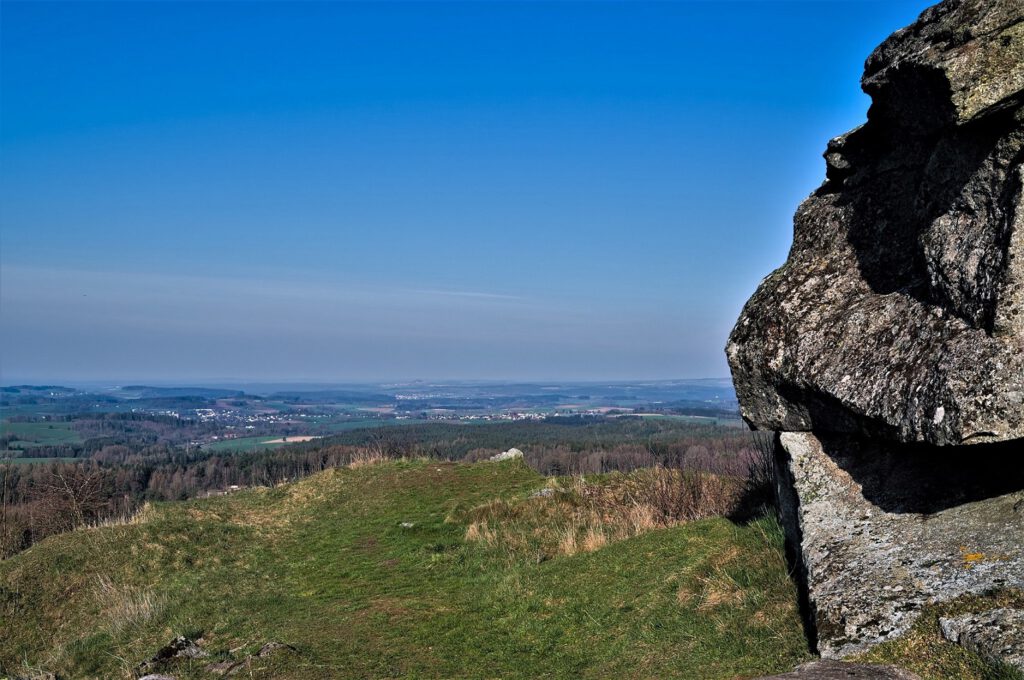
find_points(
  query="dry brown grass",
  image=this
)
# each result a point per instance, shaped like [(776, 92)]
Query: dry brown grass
[(124, 606), (593, 539), (478, 531), (581, 515), (720, 589)]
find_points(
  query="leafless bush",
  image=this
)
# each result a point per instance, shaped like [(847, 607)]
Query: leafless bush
[(759, 490), (668, 496)]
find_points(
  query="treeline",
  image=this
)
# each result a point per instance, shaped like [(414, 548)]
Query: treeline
[(662, 436), (41, 499)]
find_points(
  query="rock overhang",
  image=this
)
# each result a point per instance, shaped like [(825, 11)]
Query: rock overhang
[(899, 310)]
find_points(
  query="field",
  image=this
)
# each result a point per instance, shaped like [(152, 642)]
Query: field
[(347, 425), (293, 439), (369, 572), (39, 434), (245, 444), (272, 441)]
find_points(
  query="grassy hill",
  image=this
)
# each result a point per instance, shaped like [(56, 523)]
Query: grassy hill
[(327, 566)]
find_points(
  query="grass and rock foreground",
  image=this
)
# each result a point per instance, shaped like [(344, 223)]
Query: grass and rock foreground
[(407, 569)]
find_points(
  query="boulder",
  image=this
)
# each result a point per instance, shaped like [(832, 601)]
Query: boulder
[(507, 455), (883, 530), (180, 647), (888, 350), (899, 312)]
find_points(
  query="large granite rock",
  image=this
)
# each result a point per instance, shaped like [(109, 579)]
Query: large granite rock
[(900, 311), (885, 529), (893, 337)]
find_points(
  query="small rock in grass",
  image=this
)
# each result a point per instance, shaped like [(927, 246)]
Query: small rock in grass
[(180, 647), (272, 647), (223, 667)]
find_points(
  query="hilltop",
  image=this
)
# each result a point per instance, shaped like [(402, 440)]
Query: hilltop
[(424, 569), (391, 570)]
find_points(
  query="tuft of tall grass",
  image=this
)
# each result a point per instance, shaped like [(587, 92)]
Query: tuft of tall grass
[(581, 515), (124, 606)]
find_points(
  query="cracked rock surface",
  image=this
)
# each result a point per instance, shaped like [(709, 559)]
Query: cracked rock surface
[(877, 546)]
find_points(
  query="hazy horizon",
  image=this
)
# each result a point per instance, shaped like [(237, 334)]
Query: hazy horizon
[(231, 383), (362, 192)]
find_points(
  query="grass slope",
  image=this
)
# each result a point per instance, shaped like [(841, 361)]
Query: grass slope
[(325, 565)]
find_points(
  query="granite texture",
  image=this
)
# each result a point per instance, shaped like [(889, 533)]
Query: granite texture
[(883, 530)]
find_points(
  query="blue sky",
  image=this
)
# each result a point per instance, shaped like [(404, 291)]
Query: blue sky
[(339, 191)]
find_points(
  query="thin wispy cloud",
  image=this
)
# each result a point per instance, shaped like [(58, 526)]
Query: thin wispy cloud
[(467, 294)]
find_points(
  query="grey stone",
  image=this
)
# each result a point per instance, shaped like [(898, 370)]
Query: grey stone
[(232, 667), (884, 529), (224, 667), (837, 670), (271, 648), (997, 634), (899, 313), (180, 647), (507, 455)]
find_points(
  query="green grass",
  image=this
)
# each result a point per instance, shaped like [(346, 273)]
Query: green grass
[(40, 434), (325, 565)]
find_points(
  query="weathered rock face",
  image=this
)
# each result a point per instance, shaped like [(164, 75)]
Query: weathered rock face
[(893, 337), (885, 529), (900, 311)]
